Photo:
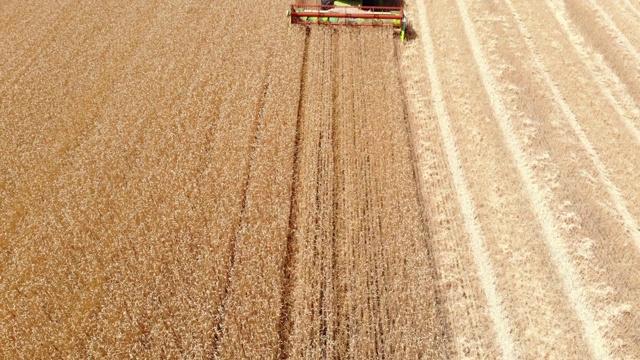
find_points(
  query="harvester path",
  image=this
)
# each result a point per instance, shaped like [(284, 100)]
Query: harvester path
[(285, 327), (481, 256), (569, 275)]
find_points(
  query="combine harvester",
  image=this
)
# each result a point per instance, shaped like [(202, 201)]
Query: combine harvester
[(349, 13)]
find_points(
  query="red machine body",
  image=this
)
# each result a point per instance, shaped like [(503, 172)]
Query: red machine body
[(348, 15)]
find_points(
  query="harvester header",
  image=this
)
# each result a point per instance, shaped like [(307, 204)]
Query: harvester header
[(333, 15)]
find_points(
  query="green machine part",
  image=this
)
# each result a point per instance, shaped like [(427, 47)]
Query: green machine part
[(358, 3)]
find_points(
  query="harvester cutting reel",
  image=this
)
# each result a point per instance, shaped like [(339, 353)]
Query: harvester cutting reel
[(350, 15)]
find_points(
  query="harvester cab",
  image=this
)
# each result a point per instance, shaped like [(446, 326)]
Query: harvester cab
[(350, 13)]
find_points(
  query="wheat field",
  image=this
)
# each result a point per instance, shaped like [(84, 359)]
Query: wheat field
[(199, 180), (177, 184)]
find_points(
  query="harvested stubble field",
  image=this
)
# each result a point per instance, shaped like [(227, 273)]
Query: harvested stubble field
[(525, 120), (192, 179)]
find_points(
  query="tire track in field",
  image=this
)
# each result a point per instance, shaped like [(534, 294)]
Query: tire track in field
[(314, 325), (253, 312), (256, 130), (362, 284), (285, 325), (560, 257), (481, 257), (629, 221), (401, 323), (415, 138), (609, 83)]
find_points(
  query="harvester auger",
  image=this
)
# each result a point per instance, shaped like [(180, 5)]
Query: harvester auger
[(349, 13)]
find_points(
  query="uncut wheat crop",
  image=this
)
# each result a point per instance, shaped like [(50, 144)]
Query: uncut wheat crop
[(195, 179)]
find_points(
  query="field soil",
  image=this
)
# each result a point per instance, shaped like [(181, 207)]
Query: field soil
[(198, 179)]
